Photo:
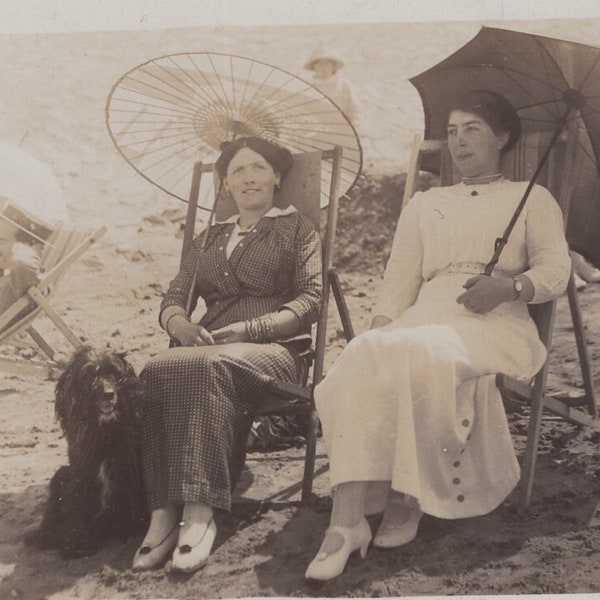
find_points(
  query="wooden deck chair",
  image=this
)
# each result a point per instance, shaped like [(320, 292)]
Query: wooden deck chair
[(65, 246), (518, 165), (302, 188)]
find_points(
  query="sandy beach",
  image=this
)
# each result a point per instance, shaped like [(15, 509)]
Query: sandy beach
[(54, 92)]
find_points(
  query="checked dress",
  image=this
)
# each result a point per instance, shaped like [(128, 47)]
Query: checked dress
[(201, 401)]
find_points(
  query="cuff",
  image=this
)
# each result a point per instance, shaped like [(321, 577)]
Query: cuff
[(167, 313)]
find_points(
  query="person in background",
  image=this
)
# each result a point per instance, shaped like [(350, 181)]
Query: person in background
[(32, 206), (326, 79), (19, 261), (585, 272)]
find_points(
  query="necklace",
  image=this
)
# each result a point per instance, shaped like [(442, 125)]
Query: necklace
[(482, 180)]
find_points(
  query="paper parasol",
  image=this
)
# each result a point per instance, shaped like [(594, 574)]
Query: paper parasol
[(172, 111)]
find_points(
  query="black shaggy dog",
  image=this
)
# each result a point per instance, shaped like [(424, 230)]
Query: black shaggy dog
[(100, 494)]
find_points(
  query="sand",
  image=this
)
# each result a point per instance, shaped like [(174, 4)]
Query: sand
[(54, 90)]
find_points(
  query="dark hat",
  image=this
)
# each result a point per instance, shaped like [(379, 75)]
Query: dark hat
[(495, 110), (277, 156)]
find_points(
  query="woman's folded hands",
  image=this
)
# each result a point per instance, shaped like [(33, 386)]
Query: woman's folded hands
[(236, 332), (483, 293), (187, 333)]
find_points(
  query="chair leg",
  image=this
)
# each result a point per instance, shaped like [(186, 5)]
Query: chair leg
[(41, 342), (38, 297), (533, 439), (309, 460), (582, 349), (342, 307)]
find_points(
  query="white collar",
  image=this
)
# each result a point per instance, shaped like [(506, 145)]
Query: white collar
[(273, 212)]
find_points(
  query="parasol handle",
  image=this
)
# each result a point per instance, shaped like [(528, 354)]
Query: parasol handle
[(502, 241), (189, 232), (188, 307)]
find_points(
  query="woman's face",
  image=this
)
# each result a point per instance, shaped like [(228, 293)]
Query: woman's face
[(251, 181), (473, 145)]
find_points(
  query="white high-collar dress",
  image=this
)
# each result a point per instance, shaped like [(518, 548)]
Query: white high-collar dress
[(414, 403)]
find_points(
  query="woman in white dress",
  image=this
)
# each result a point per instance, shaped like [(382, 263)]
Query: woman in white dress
[(412, 420)]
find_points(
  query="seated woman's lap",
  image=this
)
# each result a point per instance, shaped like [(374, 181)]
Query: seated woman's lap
[(200, 406)]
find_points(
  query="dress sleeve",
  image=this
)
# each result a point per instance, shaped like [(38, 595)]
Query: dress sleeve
[(403, 274), (176, 298), (307, 282), (547, 249)]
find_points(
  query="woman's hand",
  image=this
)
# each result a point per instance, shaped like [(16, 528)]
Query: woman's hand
[(187, 333), (236, 332), (483, 293)]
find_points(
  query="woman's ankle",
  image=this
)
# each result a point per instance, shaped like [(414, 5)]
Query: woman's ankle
[(162, 520), (195, 518), (196, 512)]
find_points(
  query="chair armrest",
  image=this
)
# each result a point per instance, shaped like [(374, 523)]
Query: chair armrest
[(293, 390)]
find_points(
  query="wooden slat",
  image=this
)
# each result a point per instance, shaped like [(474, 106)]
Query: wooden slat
[(66, 246), (523, 392)]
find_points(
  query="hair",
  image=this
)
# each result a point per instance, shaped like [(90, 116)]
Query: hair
[(280, 158), (495, 110)]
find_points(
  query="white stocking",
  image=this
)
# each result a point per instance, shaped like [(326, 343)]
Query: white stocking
[(195, 519), (348, 509), (162, 522)]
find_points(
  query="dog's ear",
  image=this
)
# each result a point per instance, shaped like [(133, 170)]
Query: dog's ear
[(64, 398), (66, 392)]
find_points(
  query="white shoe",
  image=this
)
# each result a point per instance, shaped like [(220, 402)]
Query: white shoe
[(188, 558), (390, 535), (327, 566), (579, 283), (593, 276), (151, 557)]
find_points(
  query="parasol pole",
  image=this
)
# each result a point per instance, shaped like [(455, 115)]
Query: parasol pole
[(188, 307), (501, 242)]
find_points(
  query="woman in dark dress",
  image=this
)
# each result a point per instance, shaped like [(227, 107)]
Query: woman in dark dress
[(260, 276)]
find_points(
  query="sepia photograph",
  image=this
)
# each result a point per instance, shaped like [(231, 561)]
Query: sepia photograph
[(299, 306)]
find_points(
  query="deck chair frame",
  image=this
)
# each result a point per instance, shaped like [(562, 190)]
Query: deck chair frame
[(36, 301), (284, 398), (579, 410)]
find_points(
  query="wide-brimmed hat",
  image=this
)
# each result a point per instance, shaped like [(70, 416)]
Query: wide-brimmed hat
[(337, 63)]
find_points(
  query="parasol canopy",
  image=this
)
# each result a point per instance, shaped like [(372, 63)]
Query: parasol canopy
[(30, 185), (173, 111), (552, 84)]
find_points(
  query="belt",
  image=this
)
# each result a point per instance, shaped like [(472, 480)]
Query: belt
[(466, 268)]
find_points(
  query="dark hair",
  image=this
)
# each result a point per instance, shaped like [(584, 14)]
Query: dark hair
[(278, 157), (495, 110)]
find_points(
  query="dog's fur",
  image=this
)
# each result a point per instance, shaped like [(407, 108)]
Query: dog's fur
[(100, 494)]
